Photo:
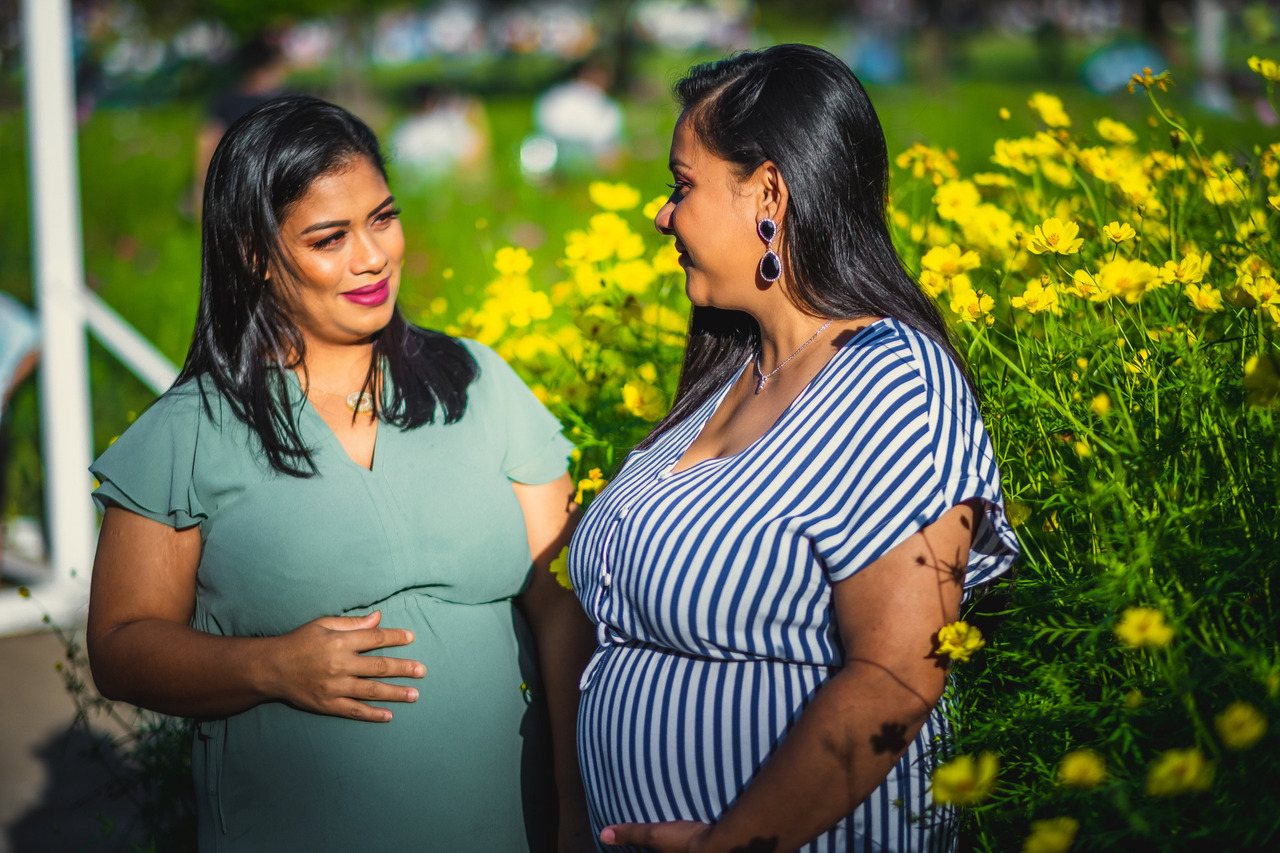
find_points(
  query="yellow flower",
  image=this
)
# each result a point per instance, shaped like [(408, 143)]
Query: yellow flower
[(968, 304), (956, 199), (995, 179), (1143, 626), (633, 276), (1049, 109), (1115, 132), (1054, 835), (1133, 699), (959, 641), (666, 261), (1231, 187), (1086, 286), (1179, 771), (591, 484), (560, 568), (1118, 233), (1146, 80), (651, 209), (1262, 379), (1205, 299), (511, 261), (923, 160), (965, 780), (1101, 404), (1004, 113), (1274, 201), (1190, 270), (1127, 278), (1054, 236), (1083, 450), (949, 260), (613, 196), (1268, 68), (1240, 725), (1082, 768), (643, 400), (1039, 296)]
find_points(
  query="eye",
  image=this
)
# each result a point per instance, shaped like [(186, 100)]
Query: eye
[(331, 240), (386, 216), (677, 189)]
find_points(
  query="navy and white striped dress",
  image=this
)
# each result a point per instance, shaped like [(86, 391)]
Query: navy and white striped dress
[(711, 587)]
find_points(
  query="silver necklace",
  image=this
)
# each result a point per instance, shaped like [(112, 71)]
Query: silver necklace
[(360, 402), (764, 377)]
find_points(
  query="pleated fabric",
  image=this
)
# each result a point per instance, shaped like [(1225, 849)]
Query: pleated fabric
[(711, 587)]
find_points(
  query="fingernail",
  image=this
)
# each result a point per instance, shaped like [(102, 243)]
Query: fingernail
[(410, 633), (412, 694), (419, 671), (386, 716), (606, 835)]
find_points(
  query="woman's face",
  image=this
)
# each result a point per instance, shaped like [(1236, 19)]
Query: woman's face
[(345, 241), (713, 217)]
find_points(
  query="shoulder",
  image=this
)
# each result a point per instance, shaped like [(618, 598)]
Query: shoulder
[(890, 356)]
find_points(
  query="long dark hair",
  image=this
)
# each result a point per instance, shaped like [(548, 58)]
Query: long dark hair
[(245, 338), (803, 109)]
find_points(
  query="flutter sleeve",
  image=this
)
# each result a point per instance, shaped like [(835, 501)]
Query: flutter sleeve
[(529, 438), (916, 448), (151, 468)]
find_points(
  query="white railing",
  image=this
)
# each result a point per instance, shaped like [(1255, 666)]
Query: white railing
[(66, 307)]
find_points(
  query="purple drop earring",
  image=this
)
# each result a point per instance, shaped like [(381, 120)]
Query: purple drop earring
[(770, 264)]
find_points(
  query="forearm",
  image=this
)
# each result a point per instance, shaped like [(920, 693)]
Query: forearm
[(833, 758), (174, 669), (565, 643)]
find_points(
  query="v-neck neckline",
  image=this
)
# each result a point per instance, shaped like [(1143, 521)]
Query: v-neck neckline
[(331, 436), (713, 405)]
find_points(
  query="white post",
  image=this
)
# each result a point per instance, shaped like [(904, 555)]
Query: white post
[(58, 260)]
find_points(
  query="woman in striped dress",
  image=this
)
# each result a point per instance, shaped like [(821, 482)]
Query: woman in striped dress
[(770, 568)]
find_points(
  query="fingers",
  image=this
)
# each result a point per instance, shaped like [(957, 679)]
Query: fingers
[(376, 666)]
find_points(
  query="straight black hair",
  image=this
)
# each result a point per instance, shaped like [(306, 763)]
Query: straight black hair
[(245, 338), (802, 109)]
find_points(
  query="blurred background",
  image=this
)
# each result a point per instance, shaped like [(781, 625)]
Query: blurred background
[(497, 114)]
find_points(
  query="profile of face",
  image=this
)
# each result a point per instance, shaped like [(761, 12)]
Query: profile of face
[(713, 215), (345, 242)]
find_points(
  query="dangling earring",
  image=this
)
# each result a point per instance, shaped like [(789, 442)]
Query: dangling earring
[(770, 264)]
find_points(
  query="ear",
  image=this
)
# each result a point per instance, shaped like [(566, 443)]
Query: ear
[(770, 191)]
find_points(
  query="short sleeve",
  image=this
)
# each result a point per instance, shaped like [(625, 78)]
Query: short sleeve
[(150, 469), (533, 449), (919, 448)]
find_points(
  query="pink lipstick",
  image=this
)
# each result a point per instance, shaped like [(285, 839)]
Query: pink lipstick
[(371, 295)]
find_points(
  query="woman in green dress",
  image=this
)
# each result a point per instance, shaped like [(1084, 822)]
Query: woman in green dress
[(324, 541)]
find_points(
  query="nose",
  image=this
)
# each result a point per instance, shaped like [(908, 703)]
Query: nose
[(369, 254), (662, 221)]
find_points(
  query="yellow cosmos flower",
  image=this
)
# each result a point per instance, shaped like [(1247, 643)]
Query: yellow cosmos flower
[(1127, 278), (1115, 132), (1054, 236), (1085, 285), (1039, 296), (1146, 80), (1190, 270), (923, 160), (1133, 699), (991, 228), (956, 199), (965, 781), (1118, 233), (1179, 771), (643, 400), (1268, 68), (1205, 299), (949, 260), (1101, 404), (1082, 768), (1004, 113), (666, 261), (1262, 379), (560, 568), (959, 641), (1055, 835), (1240, 725), (512, 261), (1231, 187), (995, 179), (613, 196), (968, 304), (1049, 109), (1143, 626), (590, 485), (934, 283), (651, 209), (633, 276), (1274, 201), (1017, 154)]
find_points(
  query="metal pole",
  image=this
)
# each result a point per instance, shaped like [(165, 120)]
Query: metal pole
[(58, 260)]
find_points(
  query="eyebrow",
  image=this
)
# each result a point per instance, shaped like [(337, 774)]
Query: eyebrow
[(338, 223), (674, 162)]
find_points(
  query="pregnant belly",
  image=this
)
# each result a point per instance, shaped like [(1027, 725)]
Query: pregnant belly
[(445, 773)]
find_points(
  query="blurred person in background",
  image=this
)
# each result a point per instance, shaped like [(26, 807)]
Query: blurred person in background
[(581, 118), (774, 567), (445, 136), (329, 541)]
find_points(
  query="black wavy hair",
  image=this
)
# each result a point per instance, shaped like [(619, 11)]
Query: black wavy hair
[(802, 109), (245, 338)]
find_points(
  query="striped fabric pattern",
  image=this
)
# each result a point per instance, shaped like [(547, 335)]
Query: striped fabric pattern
[(711, 587)]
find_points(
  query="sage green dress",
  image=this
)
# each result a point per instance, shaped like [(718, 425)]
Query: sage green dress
[(434, 538)]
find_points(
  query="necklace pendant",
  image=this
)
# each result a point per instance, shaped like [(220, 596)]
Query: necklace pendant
[(360, 402), (760, 383)]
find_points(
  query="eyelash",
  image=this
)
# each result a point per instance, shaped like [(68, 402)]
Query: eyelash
[(381, 219)]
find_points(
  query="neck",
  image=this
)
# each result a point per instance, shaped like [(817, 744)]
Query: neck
[(783, 333), (338, 368)]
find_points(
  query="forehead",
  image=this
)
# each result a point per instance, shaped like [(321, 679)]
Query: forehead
[(686, 148), (356, 182)]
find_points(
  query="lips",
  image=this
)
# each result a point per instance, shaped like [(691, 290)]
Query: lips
[(370, 295)]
